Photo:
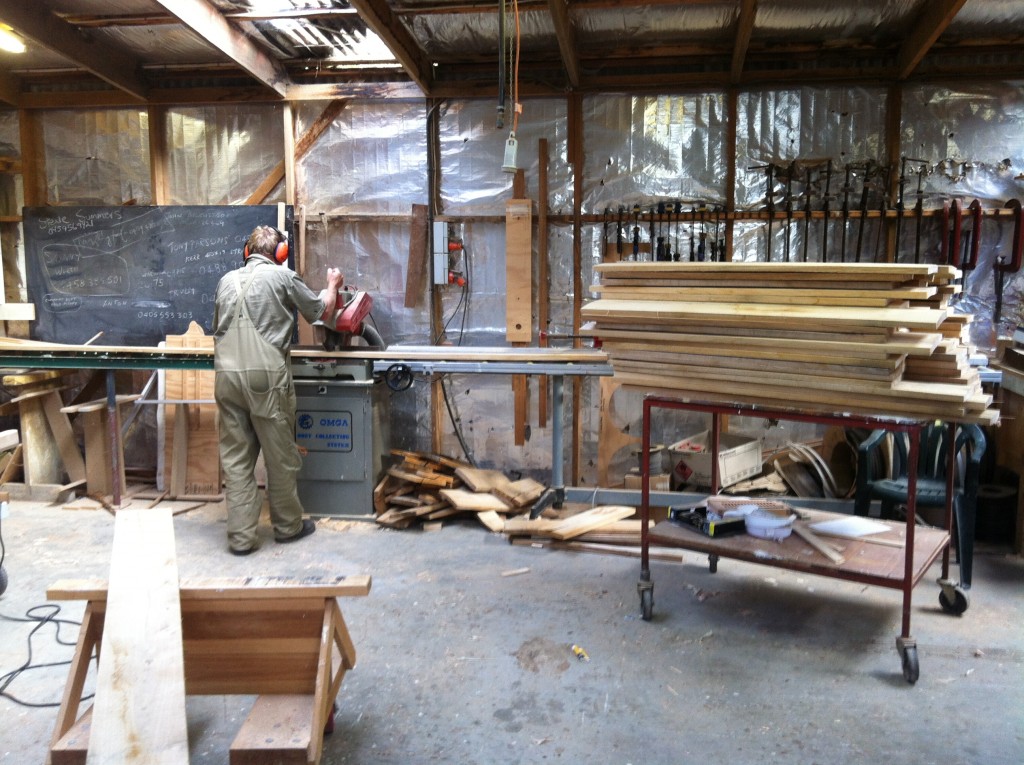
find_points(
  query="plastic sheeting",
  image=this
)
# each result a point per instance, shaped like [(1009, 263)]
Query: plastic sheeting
[(97, 157), (219, 155), (10, 133)]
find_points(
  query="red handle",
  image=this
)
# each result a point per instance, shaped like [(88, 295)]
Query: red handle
[(954, 211), (975, 236), (1017, 245)]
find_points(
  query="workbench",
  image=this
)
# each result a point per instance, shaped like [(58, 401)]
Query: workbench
[(556, 363), (900, 564)]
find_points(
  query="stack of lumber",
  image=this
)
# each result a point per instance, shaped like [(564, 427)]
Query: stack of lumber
[(871, 338)]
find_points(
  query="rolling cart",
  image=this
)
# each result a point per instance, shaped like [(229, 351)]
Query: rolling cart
[(898, 564)]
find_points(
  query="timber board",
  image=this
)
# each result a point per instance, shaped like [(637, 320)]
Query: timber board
[(695, 364), (773, 297), (872, 270), (900, 344), (750, 314), (883, 363), (784, 399)]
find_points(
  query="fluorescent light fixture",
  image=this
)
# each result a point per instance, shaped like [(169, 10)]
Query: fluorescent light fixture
[(9, 41)]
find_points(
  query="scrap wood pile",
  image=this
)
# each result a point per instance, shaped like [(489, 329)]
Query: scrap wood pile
[(422, 489), (425, 488), (870, 338)]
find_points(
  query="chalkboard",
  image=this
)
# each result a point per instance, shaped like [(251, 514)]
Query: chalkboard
[(136, 274)]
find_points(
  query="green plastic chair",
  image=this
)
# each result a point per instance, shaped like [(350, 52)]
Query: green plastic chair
[(933, 459)]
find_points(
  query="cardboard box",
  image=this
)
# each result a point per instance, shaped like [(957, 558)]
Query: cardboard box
[(739, 457)]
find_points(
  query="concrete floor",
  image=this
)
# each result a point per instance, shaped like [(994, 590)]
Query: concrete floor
[(459, 664)]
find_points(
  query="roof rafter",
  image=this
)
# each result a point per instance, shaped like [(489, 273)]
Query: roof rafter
[(113, 65), (744, 29), (566, 39), (378, 16), (209, 24), (930, 24)]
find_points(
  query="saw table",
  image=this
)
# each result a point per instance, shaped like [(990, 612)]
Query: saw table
[(398, 361)]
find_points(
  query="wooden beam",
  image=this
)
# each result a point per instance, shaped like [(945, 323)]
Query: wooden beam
[(35, 22), (543, 277), (379, 17), (926, 29), (209, 24), (10, 89), (566, 39), (744, 28), (288, 115), (301, 147), (158, 154), (33, 158), (139, 712)]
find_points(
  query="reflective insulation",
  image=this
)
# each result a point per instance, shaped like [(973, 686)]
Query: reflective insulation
[(795, 21), (646, 149), (98, 157), (616, 25), (972, 139), (371, 159), (10, 133), (473, 152), (799, 132), (219, 155)]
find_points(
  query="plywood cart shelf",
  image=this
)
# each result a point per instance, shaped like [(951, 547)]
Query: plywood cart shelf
[(899, 564)]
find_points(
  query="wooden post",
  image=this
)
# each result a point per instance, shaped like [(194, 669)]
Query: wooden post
[(543, 286)]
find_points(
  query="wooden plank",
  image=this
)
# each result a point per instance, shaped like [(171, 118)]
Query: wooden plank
[(419, 255), (471, 501), (192, 448), (276, 731), (589, 520), (812, 539), (866, 298), (482, 480), (518, 271), (759, 315), (40, 455), (230, 588), (139, 712), (731, 269), (491, 520), (64, 437)]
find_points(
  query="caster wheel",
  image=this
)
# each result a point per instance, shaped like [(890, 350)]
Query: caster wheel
[(953, 600), (713, 564), (646, 600), (3, 580), (908, 657)]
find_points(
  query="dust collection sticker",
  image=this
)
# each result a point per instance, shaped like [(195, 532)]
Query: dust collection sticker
[(324, 431)]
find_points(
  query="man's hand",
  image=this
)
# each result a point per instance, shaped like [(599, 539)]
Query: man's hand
[(330, 293), (334, 279)]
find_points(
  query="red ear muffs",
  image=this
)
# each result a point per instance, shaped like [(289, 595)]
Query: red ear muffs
[(280, 252)]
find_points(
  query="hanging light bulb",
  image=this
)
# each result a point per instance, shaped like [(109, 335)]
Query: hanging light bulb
[(9, 41)]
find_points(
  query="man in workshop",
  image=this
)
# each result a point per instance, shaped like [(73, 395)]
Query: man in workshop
[(253, 325)]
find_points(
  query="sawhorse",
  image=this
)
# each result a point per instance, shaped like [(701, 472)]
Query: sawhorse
[(283, 640)]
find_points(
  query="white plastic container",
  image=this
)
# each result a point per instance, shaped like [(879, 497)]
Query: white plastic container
[(765, 525)]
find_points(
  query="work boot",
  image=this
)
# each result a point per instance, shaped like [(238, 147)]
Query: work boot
[(308, 527)]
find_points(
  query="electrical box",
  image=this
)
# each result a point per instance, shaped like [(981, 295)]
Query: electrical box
[(439, 252)]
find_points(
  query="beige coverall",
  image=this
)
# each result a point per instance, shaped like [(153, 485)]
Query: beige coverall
[(253, 326)]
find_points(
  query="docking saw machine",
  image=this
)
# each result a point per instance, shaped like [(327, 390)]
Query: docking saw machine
[(348, 324)]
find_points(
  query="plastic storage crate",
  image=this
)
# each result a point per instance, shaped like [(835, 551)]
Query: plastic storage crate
[(739, 457)]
